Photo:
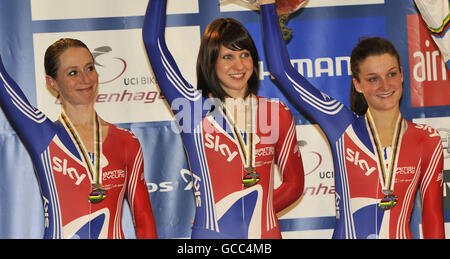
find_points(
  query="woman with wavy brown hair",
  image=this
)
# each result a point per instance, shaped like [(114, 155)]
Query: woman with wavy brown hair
[(380, 158)]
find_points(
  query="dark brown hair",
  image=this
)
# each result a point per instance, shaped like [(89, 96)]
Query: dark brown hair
[(368, 46), (51, 58), (231, 34)]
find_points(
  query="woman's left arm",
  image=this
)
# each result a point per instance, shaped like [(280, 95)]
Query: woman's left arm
[(138, 196), (431, 187), (289, 162)]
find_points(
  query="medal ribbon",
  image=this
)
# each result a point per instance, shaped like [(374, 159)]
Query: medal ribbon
[(248, 148), (387, 173), (93, 169)]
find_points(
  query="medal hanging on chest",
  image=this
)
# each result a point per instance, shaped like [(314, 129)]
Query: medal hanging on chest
[(98, 193), (389, 201), (387, 170), (246, 144)]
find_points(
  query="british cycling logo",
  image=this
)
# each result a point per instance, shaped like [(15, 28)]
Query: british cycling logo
[(116, 65)]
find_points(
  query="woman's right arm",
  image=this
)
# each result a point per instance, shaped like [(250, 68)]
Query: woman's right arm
[(328, 112), (169, 78), (34, 128)]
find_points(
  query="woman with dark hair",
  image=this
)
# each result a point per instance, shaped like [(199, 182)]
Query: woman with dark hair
[(380, 158), (366, 47), (76, 156), (234, 138), (230, 34)]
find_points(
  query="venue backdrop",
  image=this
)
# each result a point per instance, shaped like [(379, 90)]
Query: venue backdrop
[(324, 33)]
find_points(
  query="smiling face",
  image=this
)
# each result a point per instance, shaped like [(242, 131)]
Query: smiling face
[(380, 81), (234, 68), (76, 79)]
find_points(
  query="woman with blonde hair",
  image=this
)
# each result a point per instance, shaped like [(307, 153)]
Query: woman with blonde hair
[(74, 155)]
